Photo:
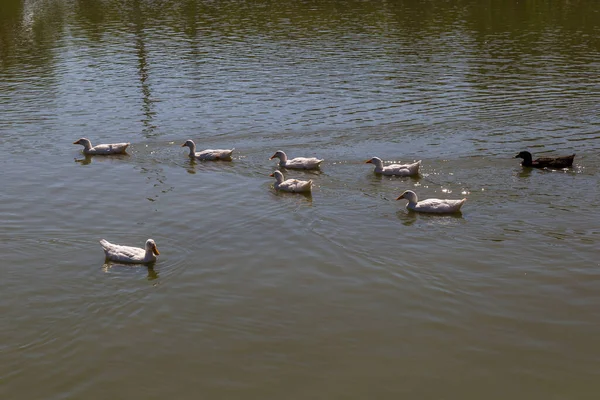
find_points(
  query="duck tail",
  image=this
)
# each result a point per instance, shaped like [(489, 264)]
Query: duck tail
[(309, 185), (105, 244), (416, 166)]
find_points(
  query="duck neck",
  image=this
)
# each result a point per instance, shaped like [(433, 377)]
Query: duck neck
[(87, 145), (527, 160), (192, 148), (282, 159), (378, 165), (412, 200), (149, 255)]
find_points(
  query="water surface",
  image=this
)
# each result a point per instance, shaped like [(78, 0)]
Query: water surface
[(342, 294)]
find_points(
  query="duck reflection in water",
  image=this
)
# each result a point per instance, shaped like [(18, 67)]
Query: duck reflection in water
[(409, 217), (191, 166), (302, 197), (87, 158), (110, 267), (525, 172)]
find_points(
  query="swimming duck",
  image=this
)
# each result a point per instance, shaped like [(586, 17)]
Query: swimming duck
[(208, 154), (394, 169), (101, 149), (296, 163), (543, 162), (431, 205), (291, 185), (126, 254)]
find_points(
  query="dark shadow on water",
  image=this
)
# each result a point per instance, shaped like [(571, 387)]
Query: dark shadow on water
[(84, 161), (525, 172), (193, 165), (118, 268), (292, 171), (301, 196), (87, 159), (148, 106), (380, 177), (408, 217), (190, 166)]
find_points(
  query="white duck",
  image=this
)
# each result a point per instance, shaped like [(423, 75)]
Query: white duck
[(101, 149), (208, 154), (296, 163), (126, 254), (394, 169), (431, 205), (291, 185)]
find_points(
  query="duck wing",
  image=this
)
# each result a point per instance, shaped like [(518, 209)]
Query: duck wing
[(555, 162), (402, 169), (563, 162), (303, 163), (104, 149), (215, 154), (439, 206), (117, 252), (296, 186)]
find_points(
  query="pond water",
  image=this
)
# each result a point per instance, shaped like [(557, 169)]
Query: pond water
[(257, 294)]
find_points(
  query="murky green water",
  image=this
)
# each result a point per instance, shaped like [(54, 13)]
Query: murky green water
[(341, 295)]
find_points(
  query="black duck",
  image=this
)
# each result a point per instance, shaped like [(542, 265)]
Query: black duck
[(545, 162)]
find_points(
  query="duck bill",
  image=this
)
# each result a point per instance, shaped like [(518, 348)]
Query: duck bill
[(155, 251), (272, 157), (271, 175), (368, 162), (517, 156), (77, 142), (400, 197), (183, 145)]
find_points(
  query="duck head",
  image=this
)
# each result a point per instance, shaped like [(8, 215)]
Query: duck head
[(375, 161), (84, 142), (278, 176), (524, 155), (190, 143), (279, 154), (151, 247), (409, 195)]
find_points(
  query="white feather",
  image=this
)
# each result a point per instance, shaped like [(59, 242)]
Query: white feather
[(296, 163), (291, 185), (438, 206), (394, 169), (208, 154), (127, 254), (101, 149)]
